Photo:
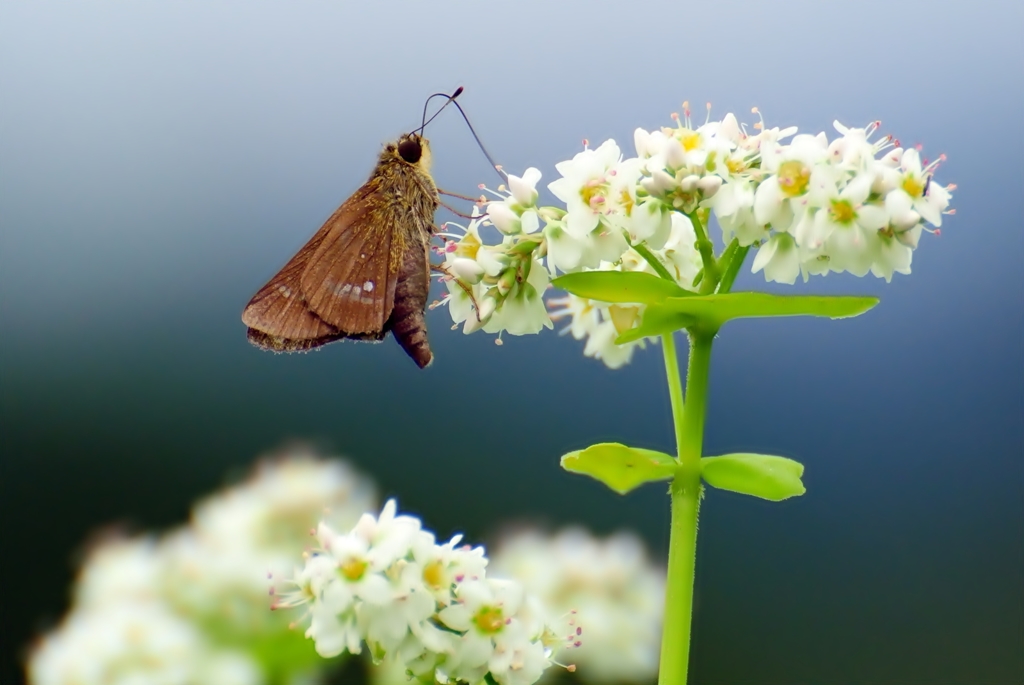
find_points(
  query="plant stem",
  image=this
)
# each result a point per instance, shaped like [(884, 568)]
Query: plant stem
[(707, 255), (655, 263), (675, 385), (685, 493)]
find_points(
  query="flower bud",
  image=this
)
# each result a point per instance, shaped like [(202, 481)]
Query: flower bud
[(523, 189), (503, 218), (709, 185), (466, 270), (507, 280), (659, 182), (675, 155), (476, 322)]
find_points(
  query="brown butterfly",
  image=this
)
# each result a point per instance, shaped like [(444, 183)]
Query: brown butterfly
[(366, 271)]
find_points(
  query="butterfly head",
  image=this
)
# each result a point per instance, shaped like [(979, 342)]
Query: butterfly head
[(411, 148)]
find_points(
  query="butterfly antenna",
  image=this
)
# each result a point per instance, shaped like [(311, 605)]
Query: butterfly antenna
[(426, 106), (451, 101), (480, 143)]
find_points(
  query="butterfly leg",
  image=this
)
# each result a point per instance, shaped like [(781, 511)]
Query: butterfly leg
[(461, 197)]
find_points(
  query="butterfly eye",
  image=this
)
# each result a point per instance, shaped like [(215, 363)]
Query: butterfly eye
[(410, 150)]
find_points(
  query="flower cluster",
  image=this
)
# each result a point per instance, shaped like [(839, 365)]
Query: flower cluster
[(616, 592), (809, 206), (425, 606), (191, 606)]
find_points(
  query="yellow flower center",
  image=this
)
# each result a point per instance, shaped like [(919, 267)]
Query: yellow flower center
[(842, 211), (489, 620), (468, 246), (735, 165), (793, 178), (626, 200), (433, 574), (353, 569), (589, 192), (690, 140), (913, 187)]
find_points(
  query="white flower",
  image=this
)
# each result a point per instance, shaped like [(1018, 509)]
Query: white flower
[(612, 592), (780, 259), (524, 189), (437, 615), (565, 251), (523, 311), (120, 569), (443, 566), (128, 642), (927, 197), (285, 497), (844, 209), (584, 187), (493, 639)]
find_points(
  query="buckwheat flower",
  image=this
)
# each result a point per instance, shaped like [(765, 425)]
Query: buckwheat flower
[(791, 168), (231, 668), (844, 225), (733, 206), (483, 612), (565, 251), (584, 187), (438, 618), (601, 343), (120, 569), (679, 255), (780, 259), (119, 644), (614, 590), (914, 183), (407, 614), (286, 495), (444, 566), (216, 570), (522, 311), (644, 219), (524, 188)]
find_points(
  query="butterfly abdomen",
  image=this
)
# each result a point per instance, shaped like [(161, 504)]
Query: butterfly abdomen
[(407, 321)]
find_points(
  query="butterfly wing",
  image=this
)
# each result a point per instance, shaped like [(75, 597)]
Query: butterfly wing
[(349, 280), (278, 315)]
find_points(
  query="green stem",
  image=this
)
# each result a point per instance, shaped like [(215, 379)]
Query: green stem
[(685, 492), (655, 263), (707, 254), (675, 386), (732, 268)]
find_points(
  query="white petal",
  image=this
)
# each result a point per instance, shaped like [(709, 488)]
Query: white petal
[(872, 217)]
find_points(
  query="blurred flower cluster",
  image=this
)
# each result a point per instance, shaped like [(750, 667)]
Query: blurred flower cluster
[(428, 608), (610, 586), (191, 607), (808, 204)]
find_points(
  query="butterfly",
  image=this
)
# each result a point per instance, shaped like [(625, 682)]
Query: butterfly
[(366, 272)]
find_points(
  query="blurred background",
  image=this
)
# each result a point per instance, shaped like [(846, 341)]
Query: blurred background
[(159, 162)]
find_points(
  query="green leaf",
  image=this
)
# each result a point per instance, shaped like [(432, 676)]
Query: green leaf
[(620, 467), (715, 310), (711, 311), (657, 319), (620, 286), (759, 475)]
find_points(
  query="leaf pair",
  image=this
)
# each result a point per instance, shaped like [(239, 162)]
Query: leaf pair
[(624, 468)]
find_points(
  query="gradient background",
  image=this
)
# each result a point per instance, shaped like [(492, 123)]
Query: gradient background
[(158, 162)]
